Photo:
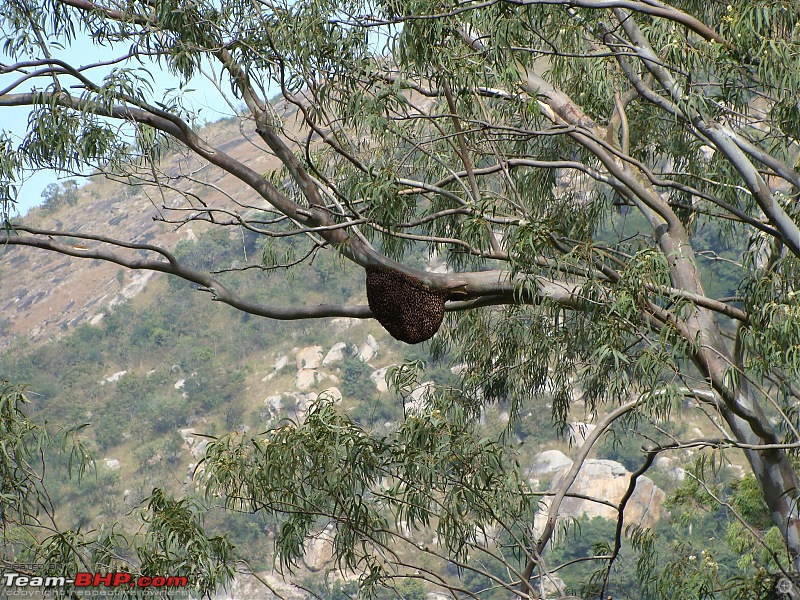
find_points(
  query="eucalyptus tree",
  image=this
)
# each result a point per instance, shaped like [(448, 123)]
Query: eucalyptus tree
[(577, 164)]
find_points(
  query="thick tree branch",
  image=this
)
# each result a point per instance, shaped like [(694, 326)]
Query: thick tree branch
[(116, 15), (724, 138)]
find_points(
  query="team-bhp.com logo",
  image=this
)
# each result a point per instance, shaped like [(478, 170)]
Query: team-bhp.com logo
[(92, 580)]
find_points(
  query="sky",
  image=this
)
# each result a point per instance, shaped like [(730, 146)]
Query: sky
[(203, 96)]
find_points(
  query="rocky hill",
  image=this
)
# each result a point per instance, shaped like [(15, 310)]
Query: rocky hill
[(46, 294), (152, 381)]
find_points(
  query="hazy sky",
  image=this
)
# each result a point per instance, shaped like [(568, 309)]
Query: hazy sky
[(203, 97)]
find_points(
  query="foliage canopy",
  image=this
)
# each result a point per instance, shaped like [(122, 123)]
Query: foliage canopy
[(613, 186)]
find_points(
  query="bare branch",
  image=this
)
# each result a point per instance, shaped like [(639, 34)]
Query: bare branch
[(572, 474), (206, 282)]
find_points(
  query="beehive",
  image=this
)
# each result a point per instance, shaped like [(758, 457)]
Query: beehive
[(409, 310)]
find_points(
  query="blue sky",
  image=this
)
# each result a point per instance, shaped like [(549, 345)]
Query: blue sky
[(202, 96)]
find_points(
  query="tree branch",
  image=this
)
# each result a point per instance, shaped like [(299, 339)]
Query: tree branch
[(206, 282), (569, 479)]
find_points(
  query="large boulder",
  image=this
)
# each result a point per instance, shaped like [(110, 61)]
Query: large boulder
[(199, 449), (298, 404), (279, 365), (274, 403), (550, 461), (292, 405), (368, 349), (335, 354), (319, 550), (379, 378), (341, 324), (309, 358), (308, 378), (418, 400), (334, 393), (606, 480), (113, 378)]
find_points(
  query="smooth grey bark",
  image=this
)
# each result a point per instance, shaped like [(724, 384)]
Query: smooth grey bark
[(741, 410)]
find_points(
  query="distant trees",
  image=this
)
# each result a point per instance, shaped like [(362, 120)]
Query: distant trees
[(583, 168), (56, 195)]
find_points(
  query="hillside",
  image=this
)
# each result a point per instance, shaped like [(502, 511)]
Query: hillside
[(44, 295), (156, 369)]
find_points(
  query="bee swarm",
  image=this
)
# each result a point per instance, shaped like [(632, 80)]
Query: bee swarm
[(410, 311)]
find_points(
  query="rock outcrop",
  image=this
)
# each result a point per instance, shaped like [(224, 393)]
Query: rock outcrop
[(369, 349), (606, 480), (379, 378), (319, 551), (309, 358), (335, 354), (550, 461), (308, 378)]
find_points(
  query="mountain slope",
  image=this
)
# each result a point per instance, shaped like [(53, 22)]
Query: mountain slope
[(44, 294)]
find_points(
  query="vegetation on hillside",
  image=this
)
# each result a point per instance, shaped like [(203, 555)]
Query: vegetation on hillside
[(172, 334), (613, 188)]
